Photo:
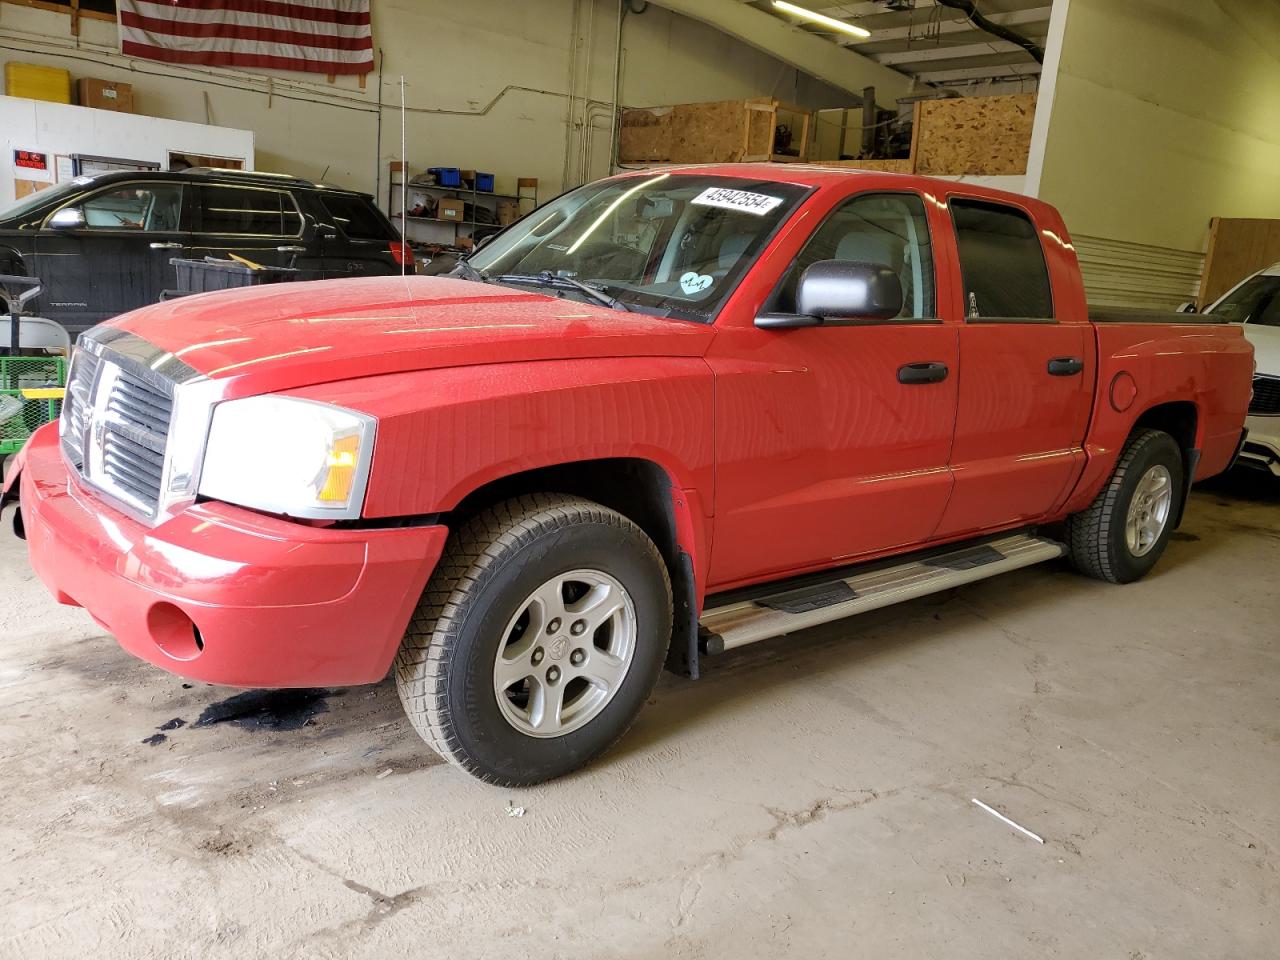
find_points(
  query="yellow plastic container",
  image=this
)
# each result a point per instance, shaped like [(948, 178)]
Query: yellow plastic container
[(37, 83)]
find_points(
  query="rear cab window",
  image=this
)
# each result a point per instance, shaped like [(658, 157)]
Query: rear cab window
[(1001, 262), (356, 217)]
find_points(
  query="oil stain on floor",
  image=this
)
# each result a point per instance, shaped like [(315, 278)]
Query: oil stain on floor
[(269, 709)]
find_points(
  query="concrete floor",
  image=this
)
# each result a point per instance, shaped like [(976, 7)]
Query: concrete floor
[(809, 797)]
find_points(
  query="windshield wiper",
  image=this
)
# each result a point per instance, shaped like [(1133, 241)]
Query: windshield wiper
[(554, 282), (466, 271)]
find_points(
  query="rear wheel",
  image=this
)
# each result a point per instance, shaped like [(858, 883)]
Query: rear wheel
[(1120, 536), (537, 640)]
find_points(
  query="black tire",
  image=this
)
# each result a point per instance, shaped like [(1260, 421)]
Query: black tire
[(1096, 535), (445, 667)]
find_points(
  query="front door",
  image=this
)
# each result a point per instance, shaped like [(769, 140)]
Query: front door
[(1026, 391), (832, 442), (260, 224), (118, 260)]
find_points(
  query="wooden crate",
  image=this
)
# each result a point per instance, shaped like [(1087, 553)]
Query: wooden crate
[(973, 135), (970, 135), (723, 131)]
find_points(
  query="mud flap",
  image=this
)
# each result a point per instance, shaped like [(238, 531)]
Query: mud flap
[(683, 654), (1190, 464)]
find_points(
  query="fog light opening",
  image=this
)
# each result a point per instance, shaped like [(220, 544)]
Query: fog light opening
[(173, 632)]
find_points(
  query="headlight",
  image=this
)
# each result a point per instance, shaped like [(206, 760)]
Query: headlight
[(288, 456)]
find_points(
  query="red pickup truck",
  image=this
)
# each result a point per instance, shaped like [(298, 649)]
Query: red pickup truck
[(668, 414)]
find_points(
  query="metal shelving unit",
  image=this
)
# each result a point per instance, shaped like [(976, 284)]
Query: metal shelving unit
[(434, 227)]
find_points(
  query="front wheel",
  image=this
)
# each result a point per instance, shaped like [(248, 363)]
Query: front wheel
[(537, 640), (1120, 536)]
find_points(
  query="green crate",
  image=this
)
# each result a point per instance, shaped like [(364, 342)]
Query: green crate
[(20, 417)]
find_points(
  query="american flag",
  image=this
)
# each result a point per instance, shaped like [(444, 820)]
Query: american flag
[(315, 36)]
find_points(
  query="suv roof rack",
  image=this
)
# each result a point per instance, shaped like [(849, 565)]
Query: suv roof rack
[(260, 176)]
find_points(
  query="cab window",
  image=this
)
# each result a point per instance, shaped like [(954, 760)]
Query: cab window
[(886, 229), (155, 207)]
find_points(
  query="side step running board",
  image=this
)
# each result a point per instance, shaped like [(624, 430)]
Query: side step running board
[(737, 624)]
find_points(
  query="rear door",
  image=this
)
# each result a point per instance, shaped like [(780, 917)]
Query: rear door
[(119, 259), (356, 239), (1026, 375), (260, 224)]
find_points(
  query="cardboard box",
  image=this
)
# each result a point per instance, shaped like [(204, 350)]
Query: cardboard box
[(508, 212), (105, 95), (465, 243), (451, 209), (37, 83)]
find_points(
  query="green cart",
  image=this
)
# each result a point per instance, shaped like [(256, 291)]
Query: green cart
[(31, 391)]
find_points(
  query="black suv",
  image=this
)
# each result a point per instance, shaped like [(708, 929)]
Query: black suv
[(102, 245)]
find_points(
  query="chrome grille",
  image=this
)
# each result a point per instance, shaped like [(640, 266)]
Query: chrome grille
[(77, 405), (115, 427), (1266, 395), (135, 432), (133, 467), (141, 405)]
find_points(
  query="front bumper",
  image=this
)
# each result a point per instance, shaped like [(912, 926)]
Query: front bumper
[(1261, 449), (222, 594)]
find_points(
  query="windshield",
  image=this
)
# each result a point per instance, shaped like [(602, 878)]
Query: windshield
[(663, 243), (1255, 301), (40, 198)]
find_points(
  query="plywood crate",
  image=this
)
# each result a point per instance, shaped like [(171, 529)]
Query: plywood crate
[(973, 135), (723, 131)]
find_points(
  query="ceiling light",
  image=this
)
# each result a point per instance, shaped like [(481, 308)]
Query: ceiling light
[(821, 19)]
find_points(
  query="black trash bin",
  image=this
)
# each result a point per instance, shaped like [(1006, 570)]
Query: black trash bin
[(201, 276)]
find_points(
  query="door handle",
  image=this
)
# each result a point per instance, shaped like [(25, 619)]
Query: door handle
[(292, 249), (1065, 366), (166, 246), (932, 372)]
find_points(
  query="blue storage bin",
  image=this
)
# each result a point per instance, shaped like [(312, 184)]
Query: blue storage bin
[(447, 176), (484, 182)]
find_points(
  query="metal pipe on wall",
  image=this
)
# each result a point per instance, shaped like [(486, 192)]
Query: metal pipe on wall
[(574, 16), (580, 176), (617, 88), (377, 150)]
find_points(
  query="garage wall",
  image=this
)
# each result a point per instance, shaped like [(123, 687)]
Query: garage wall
[(56, 128), (487, 84), (1163, 115)]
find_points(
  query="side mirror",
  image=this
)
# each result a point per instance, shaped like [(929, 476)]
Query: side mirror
[(1188, 307), (841, 289), (68, 218)]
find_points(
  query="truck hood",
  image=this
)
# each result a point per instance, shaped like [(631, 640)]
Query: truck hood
[(283, 336)]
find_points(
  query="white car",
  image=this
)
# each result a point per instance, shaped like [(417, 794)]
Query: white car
[(1255, 303)]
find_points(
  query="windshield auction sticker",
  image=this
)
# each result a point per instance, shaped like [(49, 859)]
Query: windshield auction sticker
[(747, 202)]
